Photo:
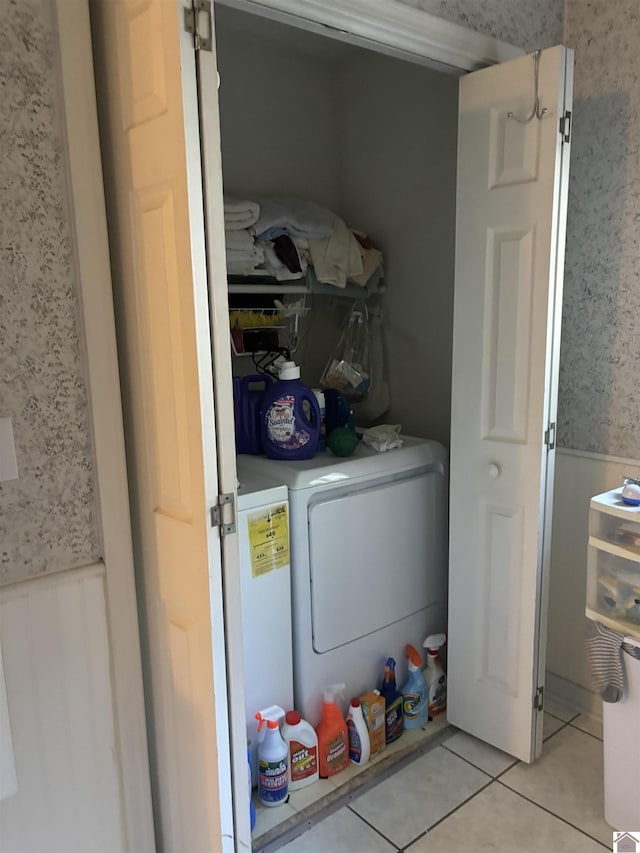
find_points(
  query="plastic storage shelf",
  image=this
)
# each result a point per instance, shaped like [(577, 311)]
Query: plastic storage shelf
[(613, 567)]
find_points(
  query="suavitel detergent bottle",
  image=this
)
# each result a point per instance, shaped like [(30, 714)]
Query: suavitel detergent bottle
[(273, 775), (290, 420), (333, 737)]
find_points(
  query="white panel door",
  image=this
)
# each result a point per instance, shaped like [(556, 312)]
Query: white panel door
[(511, 205), (154, 195)]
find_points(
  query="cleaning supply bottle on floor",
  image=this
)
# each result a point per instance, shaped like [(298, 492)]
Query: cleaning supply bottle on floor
[(359, 744), (393, 715), (414, 690), (290, 420), (333, 737), (434, 674), (273, 773), (302, 743)]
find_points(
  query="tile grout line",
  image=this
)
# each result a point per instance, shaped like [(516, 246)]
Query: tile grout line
[(578, 729), (371, 826), (453, 811), (544, 809), (475, 766)]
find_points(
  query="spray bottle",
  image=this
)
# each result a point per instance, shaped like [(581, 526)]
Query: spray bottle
[(273, 775), (416, 703), (394, 720), (359, 743), (434, 674), (333, 737)]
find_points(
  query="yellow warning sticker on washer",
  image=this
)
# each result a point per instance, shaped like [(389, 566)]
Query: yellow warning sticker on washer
[(269, 540)]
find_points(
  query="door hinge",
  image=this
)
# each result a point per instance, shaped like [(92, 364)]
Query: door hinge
[(538, 699), (550, 436), (224, 509), (565, 126), (193, 23)]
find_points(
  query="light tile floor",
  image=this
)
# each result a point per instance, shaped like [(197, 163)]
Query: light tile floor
[(464, 795)]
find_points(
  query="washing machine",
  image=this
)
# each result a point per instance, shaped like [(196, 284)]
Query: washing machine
[(368, 562), (265, 599)]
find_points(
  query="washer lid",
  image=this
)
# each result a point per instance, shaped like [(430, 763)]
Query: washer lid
[(325, 469)]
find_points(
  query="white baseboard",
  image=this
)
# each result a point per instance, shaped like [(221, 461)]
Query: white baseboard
[(573, 695)]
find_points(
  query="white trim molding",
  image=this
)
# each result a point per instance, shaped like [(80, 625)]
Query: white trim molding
[(389, 27), (87, 209)]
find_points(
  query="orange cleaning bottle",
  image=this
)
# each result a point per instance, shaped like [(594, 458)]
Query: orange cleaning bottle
[(333, 736)]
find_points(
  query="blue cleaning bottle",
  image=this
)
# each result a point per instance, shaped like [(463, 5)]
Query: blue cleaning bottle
[(394, 702), (415, 692)]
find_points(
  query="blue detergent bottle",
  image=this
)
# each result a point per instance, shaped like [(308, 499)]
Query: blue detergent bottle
[(290, 420), (415, 692)]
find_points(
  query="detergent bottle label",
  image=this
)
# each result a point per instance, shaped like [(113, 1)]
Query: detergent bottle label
[(273, 781), (413, 703), (355, 746), (336, 754), (303, 761), (281, 424), (394, 721)]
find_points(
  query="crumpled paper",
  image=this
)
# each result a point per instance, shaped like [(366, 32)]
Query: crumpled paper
[(383, 437)]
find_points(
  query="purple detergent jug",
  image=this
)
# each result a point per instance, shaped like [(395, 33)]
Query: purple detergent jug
[(290, 421), (248, 392)]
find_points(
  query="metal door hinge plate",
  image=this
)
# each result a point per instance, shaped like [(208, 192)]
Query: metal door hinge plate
[(224, 509), (550, 436), (538, 699), (197, 21), (565, 126)]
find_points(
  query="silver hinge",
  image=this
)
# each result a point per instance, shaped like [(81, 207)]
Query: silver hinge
[(550, 436), (565, 126), (224, 509), (538, 699), (193, 23)]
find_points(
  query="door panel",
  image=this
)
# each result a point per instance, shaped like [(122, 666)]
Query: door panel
[(160, 285), (507, 291)]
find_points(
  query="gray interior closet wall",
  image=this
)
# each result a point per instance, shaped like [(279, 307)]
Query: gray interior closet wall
[(374, 139)]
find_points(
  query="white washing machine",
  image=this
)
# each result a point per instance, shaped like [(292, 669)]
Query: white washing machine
[(265, 598), (368, 562)]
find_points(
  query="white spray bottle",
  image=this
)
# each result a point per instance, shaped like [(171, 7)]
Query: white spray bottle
[(273, 755), (434, 674)]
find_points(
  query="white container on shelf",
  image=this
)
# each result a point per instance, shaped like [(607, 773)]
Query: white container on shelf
[(621, 736), (613, 568)]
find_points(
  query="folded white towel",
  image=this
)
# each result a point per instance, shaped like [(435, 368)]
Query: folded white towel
[(240, 213), (338, 258), (239, 240), (253, 256), (293, 216)]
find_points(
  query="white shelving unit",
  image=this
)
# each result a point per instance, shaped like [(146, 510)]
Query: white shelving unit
[(613, 568)]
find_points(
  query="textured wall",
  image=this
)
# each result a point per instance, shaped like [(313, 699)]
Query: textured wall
[(599, 407), (47, 516), (529, 24)]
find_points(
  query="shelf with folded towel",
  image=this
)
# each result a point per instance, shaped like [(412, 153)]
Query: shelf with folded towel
[(310, 284), (270, 287)]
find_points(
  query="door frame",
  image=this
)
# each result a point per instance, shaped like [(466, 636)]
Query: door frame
[(394, 28), (87, 212)]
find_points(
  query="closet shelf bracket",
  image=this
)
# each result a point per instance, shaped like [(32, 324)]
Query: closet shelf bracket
[(193, 23)]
